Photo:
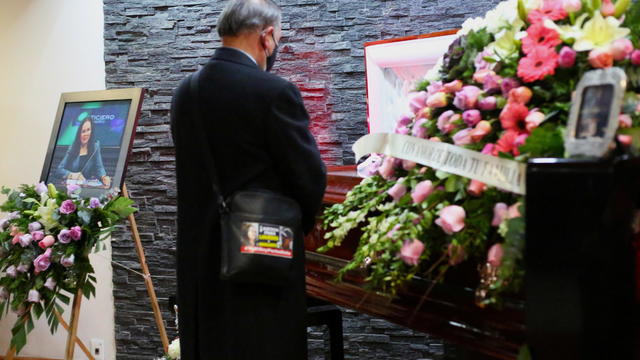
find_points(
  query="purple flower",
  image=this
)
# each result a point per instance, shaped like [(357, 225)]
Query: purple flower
[(4, 293), (73, 189), (50, 284), (75, 232), (25, 240), (488, 103), (42, 262), (635, 57), (67, 207), (397, 190), (67, 261), (11, 271), (23, 268), (508, 84), (403, 121), (65, 236), (5, 221), (33, 296), (492, 83), (37, 235), (35, 226), (482, 64), (418, 129), (467, 97), (567, 57), (41, 187), (94, 203), (471, 117), (402, 130)]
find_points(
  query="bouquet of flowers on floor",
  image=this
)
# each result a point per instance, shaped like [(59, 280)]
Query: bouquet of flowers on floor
[(504, 89), (45, 241)]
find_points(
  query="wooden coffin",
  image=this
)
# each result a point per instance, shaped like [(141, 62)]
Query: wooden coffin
[(448, 312)]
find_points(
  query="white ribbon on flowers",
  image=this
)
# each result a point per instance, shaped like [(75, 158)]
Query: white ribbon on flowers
[(502, 173)]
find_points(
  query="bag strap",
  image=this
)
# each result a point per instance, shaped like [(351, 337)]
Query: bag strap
[(199, 121)]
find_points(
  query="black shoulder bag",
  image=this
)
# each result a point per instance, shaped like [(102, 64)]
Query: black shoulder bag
[(258, 226)]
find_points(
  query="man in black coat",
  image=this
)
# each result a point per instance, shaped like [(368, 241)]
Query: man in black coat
[(255, 127)]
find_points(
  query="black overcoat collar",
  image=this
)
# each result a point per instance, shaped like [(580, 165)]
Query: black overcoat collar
[(235, 56)]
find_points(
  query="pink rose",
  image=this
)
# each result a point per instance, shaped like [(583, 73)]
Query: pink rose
[(50, 284), (456, 254), (508, 84), (624, 120), (635, 57), (16, 238), (512, 115), (521, 94), (402, 130), (471, 117), (499, 213), (37, 235), (408, 165), (397, 190), (488, 103), (481, 75), (387, 170), (607, 8), (47, 241), (23, 268), (14, 230), (41, 187), (411, 251), (424, 113), (42, 262), (75, 233), (488, 149), (445, 121), (451, 219), (422, 190), (625, 140), (476, 188), (419, 130), (65, 236), (11, 271), (67, 207), (417, 100), (437, 100), (480, 131), (67, 261), (534, 119), (491, 83), (435, 87), (599, 58), (572, 5), (33, 296), (495, 254), (454, 86), (467, 97), (621, 49), (462, 137), (513, 211), (567, 57), (403, 121)]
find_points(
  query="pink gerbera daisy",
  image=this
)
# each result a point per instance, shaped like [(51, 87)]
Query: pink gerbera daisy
[(551, 9), (540, 62), (539, 35)]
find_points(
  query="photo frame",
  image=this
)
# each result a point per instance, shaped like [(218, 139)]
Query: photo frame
[(393, 67), (91, 139), (593, 119)]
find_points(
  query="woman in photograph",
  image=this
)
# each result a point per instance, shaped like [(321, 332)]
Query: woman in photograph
[(250, 234), (83, 159)]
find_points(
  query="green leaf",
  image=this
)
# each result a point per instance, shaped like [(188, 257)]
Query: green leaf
[(544, 141), (64, 298), (121, 206)]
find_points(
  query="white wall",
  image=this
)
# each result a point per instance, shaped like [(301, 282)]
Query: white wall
[(49, 47)]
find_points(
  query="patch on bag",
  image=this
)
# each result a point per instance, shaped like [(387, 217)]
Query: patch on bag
[(266, 239)]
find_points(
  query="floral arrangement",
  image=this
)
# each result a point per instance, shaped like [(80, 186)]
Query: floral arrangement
[(45, 241), (503, 88), (174, 351)]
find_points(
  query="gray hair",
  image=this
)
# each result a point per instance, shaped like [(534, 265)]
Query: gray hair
[(246, 15)]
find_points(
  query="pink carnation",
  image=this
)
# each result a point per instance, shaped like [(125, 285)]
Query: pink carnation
[(397, 190)]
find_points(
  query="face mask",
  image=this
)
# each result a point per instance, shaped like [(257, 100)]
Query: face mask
[(271, 59)]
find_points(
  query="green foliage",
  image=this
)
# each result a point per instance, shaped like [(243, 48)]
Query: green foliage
[(544, 141), (632, 21)]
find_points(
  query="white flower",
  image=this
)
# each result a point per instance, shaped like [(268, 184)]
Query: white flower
[(532, 4), (503, 17), (434, 73), (474, 24), (598, 32), (174, 349), (46, 214), (505, 45)]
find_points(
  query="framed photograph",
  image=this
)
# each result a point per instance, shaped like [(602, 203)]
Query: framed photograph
[(91, 138), (393, 67), (593, 119)]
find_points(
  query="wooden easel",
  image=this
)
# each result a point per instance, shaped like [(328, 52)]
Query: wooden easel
[(72, 329)]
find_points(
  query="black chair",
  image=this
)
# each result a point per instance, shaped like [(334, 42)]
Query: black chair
[(323, 313)]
